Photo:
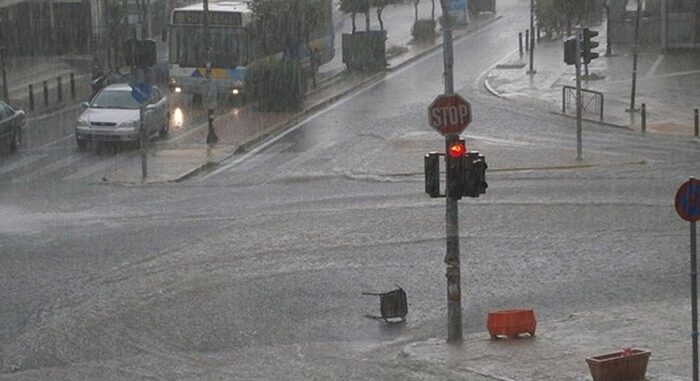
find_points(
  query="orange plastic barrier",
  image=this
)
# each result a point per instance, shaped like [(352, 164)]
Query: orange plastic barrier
[(511, 323)]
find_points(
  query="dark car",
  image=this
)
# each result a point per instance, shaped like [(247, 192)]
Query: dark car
[(11, 126)]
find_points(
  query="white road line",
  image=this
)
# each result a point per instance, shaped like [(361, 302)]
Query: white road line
[(92, 169), (655, 66), (43, 171), (20, 163)]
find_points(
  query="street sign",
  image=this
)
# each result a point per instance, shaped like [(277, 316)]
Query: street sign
[(141, 92), (449, 114), (688, 200)]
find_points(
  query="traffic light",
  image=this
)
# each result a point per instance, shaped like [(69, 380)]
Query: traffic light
[(474, 174), (142, 53), (432, 174), (589, 45), (456, 152), (570, 51)]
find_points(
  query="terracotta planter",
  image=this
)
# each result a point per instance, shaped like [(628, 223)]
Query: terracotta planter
[(628, 365), (511, 323)]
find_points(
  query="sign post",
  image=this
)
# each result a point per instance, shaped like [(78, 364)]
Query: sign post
[(141, 92), (688, 208)]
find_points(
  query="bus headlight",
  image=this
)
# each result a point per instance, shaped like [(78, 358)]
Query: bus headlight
[(235, 91), (178, 89)]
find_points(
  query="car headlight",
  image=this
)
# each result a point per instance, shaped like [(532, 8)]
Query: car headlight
[(83, 123), (130, 124)]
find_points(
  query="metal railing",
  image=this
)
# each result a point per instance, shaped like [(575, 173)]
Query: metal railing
[(593, 101)]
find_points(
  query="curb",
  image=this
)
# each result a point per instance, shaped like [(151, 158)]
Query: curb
[(598, 122)]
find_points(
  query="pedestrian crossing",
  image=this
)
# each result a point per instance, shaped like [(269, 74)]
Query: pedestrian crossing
[(64, 164)]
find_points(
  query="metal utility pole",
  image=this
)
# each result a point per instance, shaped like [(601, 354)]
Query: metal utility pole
[(532, 38), (137, 77), (635, 54), (454, 288), (608, 38), (211, 134), (3, 62), (694, 294), (579, 103)]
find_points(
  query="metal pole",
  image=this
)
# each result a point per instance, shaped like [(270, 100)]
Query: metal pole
[(454, 293), (46, 93), (31, 97), (520, 43), (635, 54), (5, 88), (579, 104), (532, 37), (697, 123), (211, 134), (694, 296), (72, 85), (144, 140), (644, 118), (608, 38), (59, 89), (527, 40)]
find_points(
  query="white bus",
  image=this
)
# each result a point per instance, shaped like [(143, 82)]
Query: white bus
[(233, 45)]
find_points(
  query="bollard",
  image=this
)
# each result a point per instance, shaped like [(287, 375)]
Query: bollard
[(697, 123), (59, 89), (644, 118), (46, 93), (520, 43), (72, 86), (31, 97), (527, 40), (539, 30)]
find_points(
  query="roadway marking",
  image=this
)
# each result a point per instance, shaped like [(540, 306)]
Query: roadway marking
[(66, 161), (30, 158), (91, 169)]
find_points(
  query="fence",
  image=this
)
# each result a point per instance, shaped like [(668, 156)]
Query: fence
[(593, 102)]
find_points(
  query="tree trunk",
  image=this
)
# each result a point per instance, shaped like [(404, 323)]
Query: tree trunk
[(352, 17), (432, 11), (415, 7), (379, 18), (367, 20)]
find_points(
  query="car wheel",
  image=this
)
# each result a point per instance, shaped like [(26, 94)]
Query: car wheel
[(166, 127), (16, 139), (82, 144)]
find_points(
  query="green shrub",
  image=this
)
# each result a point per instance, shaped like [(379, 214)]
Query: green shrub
[(277, 86), (423, 30)]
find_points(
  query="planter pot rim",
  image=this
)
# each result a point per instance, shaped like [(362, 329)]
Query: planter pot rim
[(511, 311), (636, 352)]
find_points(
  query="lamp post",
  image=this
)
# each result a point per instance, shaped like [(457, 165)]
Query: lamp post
[(532, 38), (211, 134)]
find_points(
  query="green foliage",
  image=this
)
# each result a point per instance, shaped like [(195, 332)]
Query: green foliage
[(557, 17), (277, 86), (286, 22), (424, 30)]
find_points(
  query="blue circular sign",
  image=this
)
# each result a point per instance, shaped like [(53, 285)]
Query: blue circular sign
[(688, 200)]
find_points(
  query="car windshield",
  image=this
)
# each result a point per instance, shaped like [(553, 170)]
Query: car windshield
[(121, 99)]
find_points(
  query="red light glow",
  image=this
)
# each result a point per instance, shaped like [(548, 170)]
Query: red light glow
[(457, 150)]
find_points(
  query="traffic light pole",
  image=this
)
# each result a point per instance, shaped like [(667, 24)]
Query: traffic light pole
[(634, 59), (454, 292), (532, 38), (579, 103)]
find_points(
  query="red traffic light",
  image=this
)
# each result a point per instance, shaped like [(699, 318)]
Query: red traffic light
[(456, 149)]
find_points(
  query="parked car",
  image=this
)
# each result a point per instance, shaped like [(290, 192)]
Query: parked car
[(113, 116), (12, 124)]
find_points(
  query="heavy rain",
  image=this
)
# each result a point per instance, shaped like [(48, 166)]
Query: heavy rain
[(349, 189)]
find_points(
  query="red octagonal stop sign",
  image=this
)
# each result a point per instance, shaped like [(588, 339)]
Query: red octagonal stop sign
[(449, 114)]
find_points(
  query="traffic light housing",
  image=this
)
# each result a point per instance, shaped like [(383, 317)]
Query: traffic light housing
[(141, 53), (455, 155), (474, 174), (432, 174), (570, 51), (588, 44)]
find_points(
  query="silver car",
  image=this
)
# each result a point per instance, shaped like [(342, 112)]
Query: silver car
[(11, 125), (113, 116)]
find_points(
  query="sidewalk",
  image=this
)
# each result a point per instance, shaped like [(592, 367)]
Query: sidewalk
[(182, 157), (25, 71), (668, 84), (560, 348)]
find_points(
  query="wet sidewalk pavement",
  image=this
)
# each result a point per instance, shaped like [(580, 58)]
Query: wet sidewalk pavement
[(186, 155), (559, 349), (669, 84)]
